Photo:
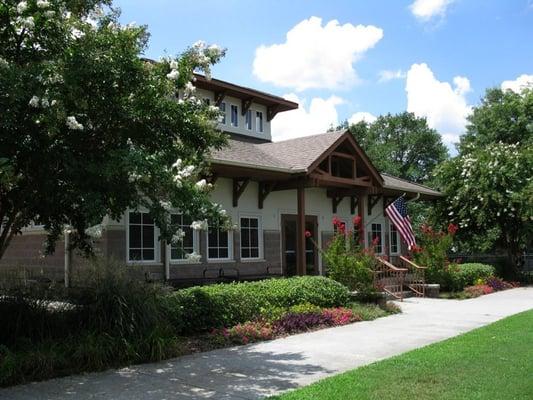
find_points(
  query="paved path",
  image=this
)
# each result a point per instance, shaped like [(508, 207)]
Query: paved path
[(259, 370)]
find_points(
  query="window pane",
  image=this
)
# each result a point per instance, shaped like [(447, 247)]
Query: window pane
[(135, 254), (245, 253), (135, 236), (188, 239), (223, 253), (147, 219), (175, 219), (176, 254), (234, 116), (223, 239), (222, 108), (254, 238), (245, 222), (245, 238), (135, 218), (249, 119), (254, 253), (148, 254), (212, 238), (254, 222), (148, 236), (213, 253), (259, 121)]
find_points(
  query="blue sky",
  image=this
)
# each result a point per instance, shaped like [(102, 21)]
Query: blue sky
[(424, 46)]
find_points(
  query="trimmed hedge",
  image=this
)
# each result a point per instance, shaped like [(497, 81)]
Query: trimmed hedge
[(457, 276), (203, 308), (469, 273)]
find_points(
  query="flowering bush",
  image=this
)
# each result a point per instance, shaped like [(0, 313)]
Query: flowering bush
[(348, 262), (294, 322), (477, 290), (340, 316), (247, 332)]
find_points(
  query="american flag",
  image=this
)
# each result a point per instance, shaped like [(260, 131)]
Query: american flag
[(397, 212)]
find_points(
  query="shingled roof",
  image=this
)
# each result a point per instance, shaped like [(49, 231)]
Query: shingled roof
[(297, 156)]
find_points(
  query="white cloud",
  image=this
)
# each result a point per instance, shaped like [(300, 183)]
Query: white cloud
[(425, 10), (520, 83), (444, 106), (304, 121), (316, 56), (361, 116), (388, 75)]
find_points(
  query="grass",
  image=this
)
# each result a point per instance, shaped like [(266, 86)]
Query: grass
[(493, 362)]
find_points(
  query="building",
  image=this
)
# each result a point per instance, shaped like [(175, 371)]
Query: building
[(274, 192)]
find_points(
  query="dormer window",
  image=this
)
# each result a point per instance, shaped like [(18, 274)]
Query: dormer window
[(222, 108), (234, 115), (248, 121), (259, 121)]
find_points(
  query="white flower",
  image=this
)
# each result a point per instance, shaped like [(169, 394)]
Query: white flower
[(44, 102), (200, 44), (189, 89), (43, 4), (166, 205), (94, 231), (193, 257), (178, 236), (73, 124), (76, 33), (132, 177), (173, 75), (28, 22), (223, 213), (199, 225), (22, 6), (53, 103), (187, 171), (34, 102), (174, 64), (201, 184), (49, 13)]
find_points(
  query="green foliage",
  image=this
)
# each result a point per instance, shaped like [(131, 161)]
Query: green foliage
[(89, 128), (203, 308), (488, 186), (370, 312), (402, 145), (469, 273), (347, 261)]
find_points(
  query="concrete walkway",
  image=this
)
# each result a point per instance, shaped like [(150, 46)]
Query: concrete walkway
[(263, 369)]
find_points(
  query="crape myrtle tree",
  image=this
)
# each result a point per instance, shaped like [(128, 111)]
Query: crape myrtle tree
[(489, 184), (89, 129)]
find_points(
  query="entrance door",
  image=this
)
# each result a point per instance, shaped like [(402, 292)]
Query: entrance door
[(288, 232)]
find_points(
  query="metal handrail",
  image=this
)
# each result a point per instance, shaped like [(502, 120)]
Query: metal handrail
[(411, 263), (391, 279)]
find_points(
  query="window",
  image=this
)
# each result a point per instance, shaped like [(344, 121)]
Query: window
[(249, 120), (250, 238), (141, 237), (218, 244), (375, 235), (179, 250), (394, 242), (234, 115), (222, 108), (259, 121)]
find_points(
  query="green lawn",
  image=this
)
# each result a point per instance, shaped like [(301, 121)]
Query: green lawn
[(494, 362)]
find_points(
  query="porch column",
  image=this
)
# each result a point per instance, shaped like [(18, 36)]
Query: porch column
[(300, 230)]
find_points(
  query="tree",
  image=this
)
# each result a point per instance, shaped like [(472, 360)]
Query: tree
[(402, 145), (489, 184), (89, 128)]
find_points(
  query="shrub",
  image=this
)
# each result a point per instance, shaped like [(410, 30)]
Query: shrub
[(228, 304), (292, 322), (340, 316), (458, 276), (477, 290)]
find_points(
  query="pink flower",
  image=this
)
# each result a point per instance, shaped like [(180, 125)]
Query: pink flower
[(308, 234), (357, 220)]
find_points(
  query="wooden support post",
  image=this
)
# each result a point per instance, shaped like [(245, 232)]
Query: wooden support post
[(238, 189), (68, 259), (300, 230)]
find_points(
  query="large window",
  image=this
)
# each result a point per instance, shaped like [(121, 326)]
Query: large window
[(222, 108), (259, 121), (375, 238), (250, 238), (234, 115), (180, 249), (141, 237), (248, 121), (394, 240), (218, 244)]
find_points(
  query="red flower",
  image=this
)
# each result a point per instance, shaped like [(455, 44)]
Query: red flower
[(336, 221), (357, 220), (308, 234), (416, 249), (452, 228), (375, 241)]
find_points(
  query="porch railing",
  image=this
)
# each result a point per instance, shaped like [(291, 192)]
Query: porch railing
[(389, 278), (415, 278)]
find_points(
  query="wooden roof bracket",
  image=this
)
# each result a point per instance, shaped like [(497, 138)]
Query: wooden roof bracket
[(264, 190), (245, 105), (238, 189), (272, 111), (354, 204), (373, 199), (219, 96), (335, 201)]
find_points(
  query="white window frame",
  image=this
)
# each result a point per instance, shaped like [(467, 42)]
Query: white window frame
[(260, 244), (398, 244), (371, 234), (250, 126), (195, 247), (157, 244), (236, 125), (222, 108), (259, 127), (230, 256)]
